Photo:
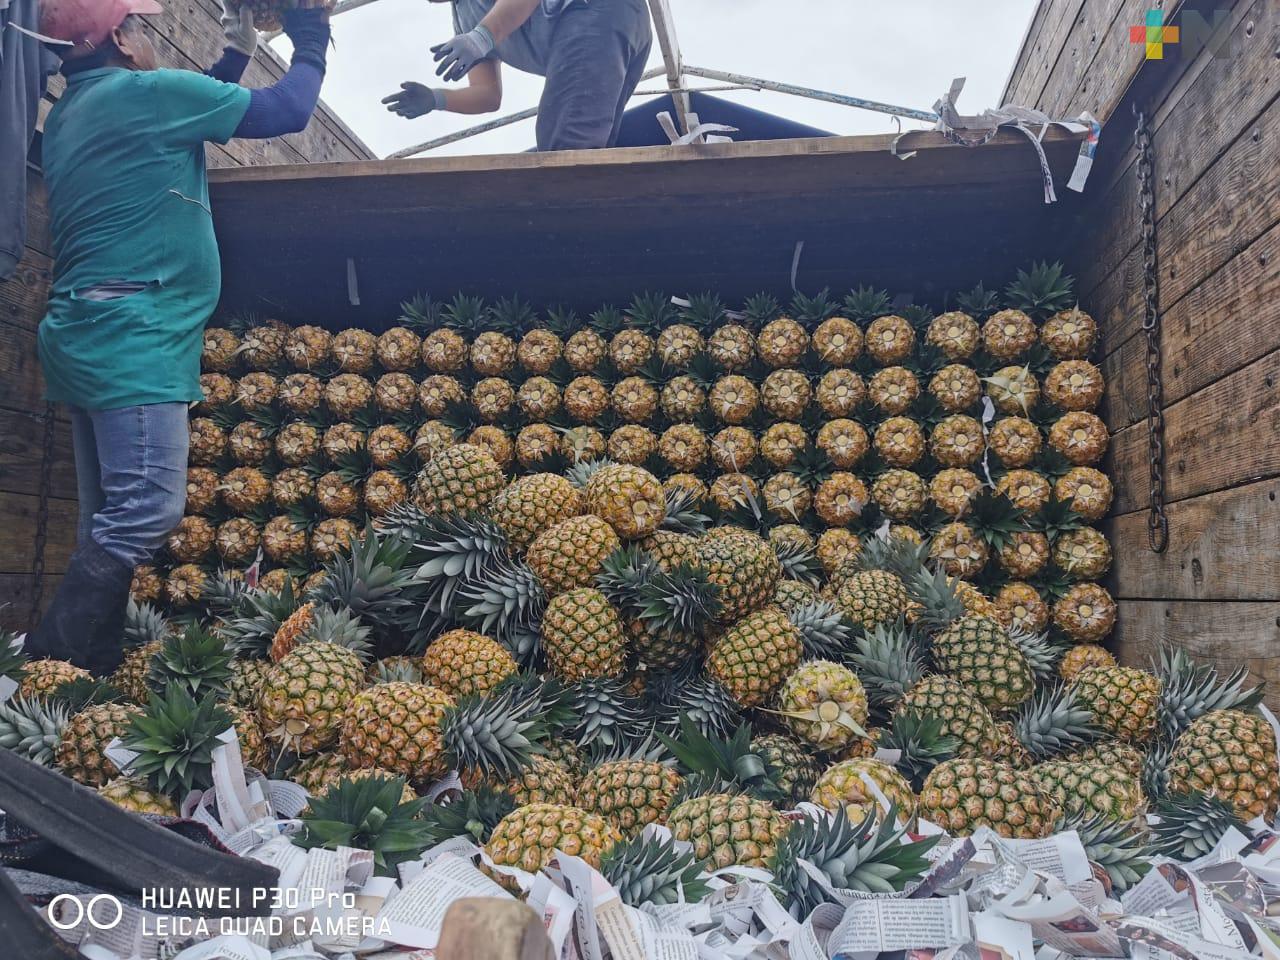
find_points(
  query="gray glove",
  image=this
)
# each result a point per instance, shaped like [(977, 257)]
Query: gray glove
[(457, 56), (237, 27), (414, 100)]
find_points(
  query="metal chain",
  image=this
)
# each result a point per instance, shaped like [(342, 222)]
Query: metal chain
[(1157, 521), (42, 515)]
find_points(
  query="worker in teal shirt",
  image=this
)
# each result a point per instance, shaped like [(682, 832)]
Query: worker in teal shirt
[(136, 277)]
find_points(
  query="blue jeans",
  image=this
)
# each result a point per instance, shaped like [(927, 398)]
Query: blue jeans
[(131, 468), (598, 55)]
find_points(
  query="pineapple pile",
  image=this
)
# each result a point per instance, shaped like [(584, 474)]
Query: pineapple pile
[(648, 583)]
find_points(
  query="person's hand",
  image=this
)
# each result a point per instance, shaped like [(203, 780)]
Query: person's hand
[(457, 56), (413, 100), (237, 27)]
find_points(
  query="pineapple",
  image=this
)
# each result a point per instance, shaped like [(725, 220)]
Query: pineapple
[(132, 794), (585, 399), (684, 447), (586, 349), (731, 346), (220, 350), (1024, 554), (538, 398), (307, 348), (493, 398), (353, 350), (538, 351), (954, 490), (582, 635), (433, 437), (845, 786), (218, 390), (1013, 390), (535, 443), (439, 392), (900, 442), (304, 694), (1074, 385), (1231, 755), (542, 781), (331, 538), (631, 443), (976, 651), (823, 703), (1082, 657), (1015, 440), (533, 504), (387, 445), (185, 585), (207, 443), (785, 394), (634, 399), (191, 540), (782, 443), (733, 491), (1090, 789), (678, 344), (900, 494), (1082, 554), (279, 579), (840, 498), (687, 484), (840, 392), (462, 662), (961, 795), (890, 340), (1069, 334), (782, 342), (959, 550), (1009, 334), (955, 387), (727, 830), (629, 794), (289, 488), (628, 498), (496, 442), (249, 443), (343, 440), (395, 394), (243, 489), (398, 349), (744, 567), (843, 442), (631, 348), (1025, 609), (755, 655), (1113, 754), (202, 489), (384, 490), (244, 688), (300, 394), (237, 540), (146, 585), (954, 333), (893, 390), (262, 346), (961, 713), (836, 546), (445, 349), (837, 340), (347, 394), (1085, 613), (582, 444), (733, 399), (79, 753), (297, 443), (682, 398), (1124, 702), (529, 836), (1026, 490), (869, 597), (336, 496), (391, 726), (786, 496), (284, 539), (957, 441), (790, 764), (461, 478), (1080, 437), (733, 448), (1086, 490)]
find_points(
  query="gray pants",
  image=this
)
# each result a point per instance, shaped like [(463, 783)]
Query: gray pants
[(597, 57)]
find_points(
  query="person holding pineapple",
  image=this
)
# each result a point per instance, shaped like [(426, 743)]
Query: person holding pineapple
[(136, 277), (591, 52)]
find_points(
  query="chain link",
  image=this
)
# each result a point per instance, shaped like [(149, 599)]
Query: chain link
[(1157, 521), (42, 514)]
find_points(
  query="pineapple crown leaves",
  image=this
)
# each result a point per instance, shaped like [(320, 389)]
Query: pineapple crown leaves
[(367, 814), (731, 759), (496, 736), (605, 713), (760, 309), (1155, 768), (811, 311), (1043, 653), (145, 624), (1189, 690), (453, 549), (688, 692), (513, 316), (827, 634), (563, 321), (895, 554), (647, 870), (401, 670), (196, 660), (938, 596), (978, 302), (339, 626), (420, 312), (1189, 826), (868, 857), (372, 579), (651, 311), (13, 661), (86, 692), (917, 737), (1053, 722), (174, 739), (1119, 847), (704, 312), (1041, 291), (468, 315), (636, 743), (259, 615), (995, 517), (509, 598), (684, 512), (551, 697), (867, 303), (680, 601), (473, 815), (31, 727), (799, 563), (607, 321), (889, 661), (918, 315), (1056, 518), (581, 472)]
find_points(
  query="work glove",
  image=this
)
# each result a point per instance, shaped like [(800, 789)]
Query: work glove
[(237, 27), (457, 56), (414, 100)]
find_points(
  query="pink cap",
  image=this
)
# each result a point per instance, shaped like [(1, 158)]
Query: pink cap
[(86, 24)]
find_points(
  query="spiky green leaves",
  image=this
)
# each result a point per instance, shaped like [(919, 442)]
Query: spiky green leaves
[(495, 736), (373, 580), (174, 739), (367, 814), (606, 713), (32, 727), (1041, 291), (730, 760), (196, 660), (827, 634), (450, 550), (1191, 689), (647, 871), (917, 737), (682, 601), (867, 303), (473, 815), (867, 857), (84, 692), (1190, 825), (889, 662), (1053, 722), (1117, 847)]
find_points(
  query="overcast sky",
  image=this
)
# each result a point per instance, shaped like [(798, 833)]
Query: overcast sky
[(904, 52)]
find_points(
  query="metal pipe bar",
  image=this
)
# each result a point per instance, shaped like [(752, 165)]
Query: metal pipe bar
[(664, 25), (797, 91), (727, 86)]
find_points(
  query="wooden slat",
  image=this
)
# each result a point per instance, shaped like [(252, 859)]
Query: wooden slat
[(1055, 20), (1216, 438), (15, 599), (1222, 546), (1227, 635), (18, 530), (23, 296), (1092, 38), (22, 451), (21, 383)]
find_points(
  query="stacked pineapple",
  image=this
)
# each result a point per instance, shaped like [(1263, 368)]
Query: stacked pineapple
[(686, 568)]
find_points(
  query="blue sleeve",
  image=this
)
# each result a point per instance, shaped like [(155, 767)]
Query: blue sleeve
[(230, 67), (192, 108), (284, 107)]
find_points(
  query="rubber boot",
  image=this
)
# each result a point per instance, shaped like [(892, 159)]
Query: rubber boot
[(85, 622)]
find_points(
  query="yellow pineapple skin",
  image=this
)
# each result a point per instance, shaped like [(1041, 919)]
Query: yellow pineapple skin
[(824, 704), (529, 836), (754, 655), (630, 794), (462, 662), (844, 785), (629, 498), (961, 795), (396, 727), (569, 554), (1229, 754), (1125, 701), (725, 830), (582, 635), (304, 695)]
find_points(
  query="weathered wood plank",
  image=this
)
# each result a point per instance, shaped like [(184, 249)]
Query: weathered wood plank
[(1222, 546), (23, 296), (1094, 55), (15, 599), (1218, 437), (21, 382), (1053, 22), (22, 452), (1228, 635), (18, 530)]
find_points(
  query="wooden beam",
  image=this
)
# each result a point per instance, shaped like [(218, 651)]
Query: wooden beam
[(665, 27)]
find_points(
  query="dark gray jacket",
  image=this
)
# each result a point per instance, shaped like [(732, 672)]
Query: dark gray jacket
[(25, 65)]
